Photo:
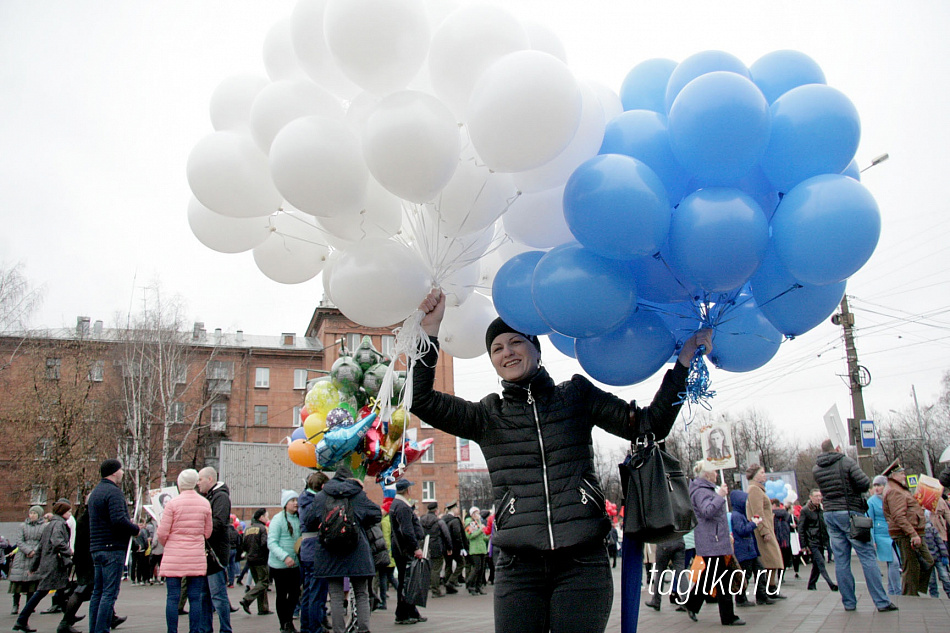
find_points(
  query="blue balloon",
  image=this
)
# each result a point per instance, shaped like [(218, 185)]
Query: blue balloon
[(629, 354), (645, 135), (719, 127), (656, 280), (825, 229), (718, 238), (682, 319), (758, 187), (581, 294), (815, 130), (298, 434), (563, 344), (644, 87), (511, 293), (791, 307), (744, 339), (852, 171), (617, 207), (779, 71), (700, 64)]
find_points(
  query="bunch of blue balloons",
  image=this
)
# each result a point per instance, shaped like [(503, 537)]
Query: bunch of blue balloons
[(723, 196)]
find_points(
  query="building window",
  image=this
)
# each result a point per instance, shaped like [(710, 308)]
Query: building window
[(220, 370), (44, 449), (297, 420), (38, 495), (52, 368), (219, 416), (262, 377), (97, 370), (180, 374), (353, 341), (428, 491), (429, 456), (211, 450), (260, 415), (177, 412), (300, 379), (389, 345)]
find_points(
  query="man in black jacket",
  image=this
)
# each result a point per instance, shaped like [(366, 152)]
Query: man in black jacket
[(255, 546), (842, 484), (219, 545), (406, 534), (813, 537), (440, 546), (455, 563), (109, 532)]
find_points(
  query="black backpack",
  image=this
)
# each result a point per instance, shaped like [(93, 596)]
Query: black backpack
[(339, 532)]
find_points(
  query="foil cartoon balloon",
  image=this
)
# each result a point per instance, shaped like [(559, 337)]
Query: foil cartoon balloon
[(342, 440), (323, 397), (346, 375), (339, 417), (366, 355)]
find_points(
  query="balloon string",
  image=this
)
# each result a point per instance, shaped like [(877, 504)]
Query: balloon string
[(698, 382)]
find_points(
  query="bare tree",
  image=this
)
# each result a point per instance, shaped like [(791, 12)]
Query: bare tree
[(18, 301), (607, 457), (59, 418), (163, 406)]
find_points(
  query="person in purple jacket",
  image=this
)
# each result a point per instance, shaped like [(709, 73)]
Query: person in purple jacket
[(713, 543)]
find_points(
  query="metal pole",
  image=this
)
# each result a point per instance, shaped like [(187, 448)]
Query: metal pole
[(923, 434), (846, 320)]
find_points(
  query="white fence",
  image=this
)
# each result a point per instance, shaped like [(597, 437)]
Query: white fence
[(256, 473)]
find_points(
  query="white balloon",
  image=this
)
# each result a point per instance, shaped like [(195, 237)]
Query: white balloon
[(295, 252), (380, 217), (609, 100), (327, 274), (460, 285), (524, 110), (543, 39), (280, 61), (462, 333), (378, 282), (585, 144), (466, 43), (411, 144), (537, 219), (230, 175), (379, 44), (231, 102), (223, 234), (306, 34), (474, 198), (359, 109), (318, 167), (283, 101)]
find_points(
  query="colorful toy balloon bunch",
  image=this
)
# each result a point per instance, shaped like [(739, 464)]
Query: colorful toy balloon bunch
[(724, 196), (342, 419)]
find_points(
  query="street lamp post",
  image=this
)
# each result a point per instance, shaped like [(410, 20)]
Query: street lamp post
[(923, 433)]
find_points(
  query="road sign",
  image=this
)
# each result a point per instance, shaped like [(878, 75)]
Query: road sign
[(868, 438)]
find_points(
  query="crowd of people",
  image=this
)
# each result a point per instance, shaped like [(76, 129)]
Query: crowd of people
[(199, 549), (754, 540)]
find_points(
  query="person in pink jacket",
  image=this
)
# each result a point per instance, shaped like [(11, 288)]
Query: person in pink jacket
[(186, 523)]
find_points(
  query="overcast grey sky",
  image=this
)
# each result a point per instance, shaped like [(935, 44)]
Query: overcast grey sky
[(101, 103)]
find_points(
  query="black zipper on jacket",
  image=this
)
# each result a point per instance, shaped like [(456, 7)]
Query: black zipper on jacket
[(544, 466)]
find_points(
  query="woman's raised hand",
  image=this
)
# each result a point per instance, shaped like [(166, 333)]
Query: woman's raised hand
[(433, 307), (699, 338)]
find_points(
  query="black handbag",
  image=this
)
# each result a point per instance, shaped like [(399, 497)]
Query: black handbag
[(418, 579), (861, 528), (656, 494)]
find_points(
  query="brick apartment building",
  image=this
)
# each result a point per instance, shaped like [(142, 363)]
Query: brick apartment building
[(68, 404)]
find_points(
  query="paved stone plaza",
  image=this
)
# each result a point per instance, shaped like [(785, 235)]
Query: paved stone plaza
[(803, 612)]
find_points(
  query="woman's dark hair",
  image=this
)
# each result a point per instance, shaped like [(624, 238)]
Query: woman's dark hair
[(316, 480)]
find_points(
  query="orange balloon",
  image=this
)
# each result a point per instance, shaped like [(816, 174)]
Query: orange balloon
[(303, 453)]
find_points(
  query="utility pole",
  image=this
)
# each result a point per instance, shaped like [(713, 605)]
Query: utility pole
[(858, 378), (923, 435)]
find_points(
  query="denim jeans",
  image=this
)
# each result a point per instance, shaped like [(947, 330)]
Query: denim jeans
[(563, 590), (839, 529), (216, 600), (108, 566), (234, 567), (313, 599), (197, 586), (940, 570), (894, 577)]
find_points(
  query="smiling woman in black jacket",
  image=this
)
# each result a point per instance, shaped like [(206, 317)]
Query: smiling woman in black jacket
[(551, 565)]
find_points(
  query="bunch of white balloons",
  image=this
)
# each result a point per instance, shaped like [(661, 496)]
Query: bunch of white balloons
[(392, 147)]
